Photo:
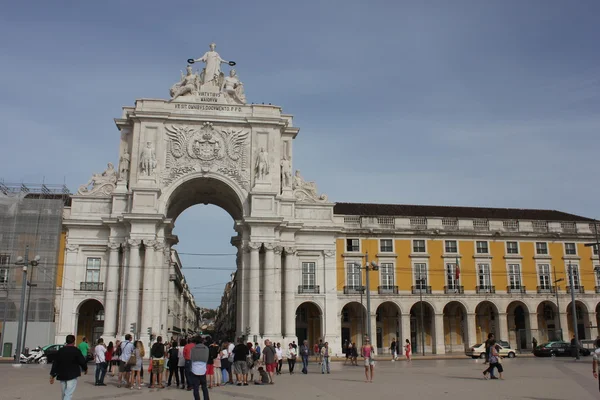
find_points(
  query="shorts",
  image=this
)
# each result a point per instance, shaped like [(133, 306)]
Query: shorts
[(158, 366), (210, 369), (271, 367), (124, 367), (369, 361), (240, 367)]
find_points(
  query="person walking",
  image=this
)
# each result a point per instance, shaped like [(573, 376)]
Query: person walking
[(100, 360), (325, 358), (199, 358), (157, 352), (279, 354), (240, 362), (367, 352), (595, 358), (181, 362), (291, 358), (173, 363), (304, 353), (136, 369), (494, 362), (67, 367), (408, 350), (393, 349), (534, 343), (348, 354), (488, 348), (269, 358)]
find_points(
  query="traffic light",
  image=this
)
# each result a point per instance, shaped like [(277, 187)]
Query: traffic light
[(133, 328), (149, 331)]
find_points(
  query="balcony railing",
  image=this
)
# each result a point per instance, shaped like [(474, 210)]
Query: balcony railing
[(387, 289), (314, 289), (421, 289), (456, 289), (545, 289), (485, 289), (577, 289), (516, 289), (91, 286), (354, 289)]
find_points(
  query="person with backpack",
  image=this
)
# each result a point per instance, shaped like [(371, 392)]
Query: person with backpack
[(158, 363), (173, 363), (125, 351)]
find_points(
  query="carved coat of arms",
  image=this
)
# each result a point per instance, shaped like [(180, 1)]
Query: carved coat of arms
[(205, 149)]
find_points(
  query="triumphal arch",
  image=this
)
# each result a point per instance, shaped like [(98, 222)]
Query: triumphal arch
[(204, 144)]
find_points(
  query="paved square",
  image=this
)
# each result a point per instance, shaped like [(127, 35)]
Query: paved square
[(525, 378)]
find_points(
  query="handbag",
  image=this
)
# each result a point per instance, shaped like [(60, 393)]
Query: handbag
[(132, 358)]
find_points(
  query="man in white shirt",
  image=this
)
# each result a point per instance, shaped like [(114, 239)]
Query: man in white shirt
[(100, 359), (124, 369)]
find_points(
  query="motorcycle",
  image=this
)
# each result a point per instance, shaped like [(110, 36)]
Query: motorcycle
[(36, 356)]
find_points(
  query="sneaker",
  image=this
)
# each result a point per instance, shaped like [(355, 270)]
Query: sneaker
[(239, 384)]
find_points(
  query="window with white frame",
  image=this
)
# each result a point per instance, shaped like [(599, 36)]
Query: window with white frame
[(308, 275), (570, 249), (92, 269), (514, 276), (575, 274), (386, 245), (541, 248), (418, 246), (484, 276), (353, 271), (482, 247), (352, 245), (544, 276), (4, 267), (420, 275), (451, 280), (451, 246), (512, 248), (387, 275)]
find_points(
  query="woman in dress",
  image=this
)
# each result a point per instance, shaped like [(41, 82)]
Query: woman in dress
[(407, 350), (109, 353), (135, 369), (367, 352), (291, 358)]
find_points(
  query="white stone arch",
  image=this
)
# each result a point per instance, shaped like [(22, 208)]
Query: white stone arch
[(432, 304), (375, 305), (467, 308)]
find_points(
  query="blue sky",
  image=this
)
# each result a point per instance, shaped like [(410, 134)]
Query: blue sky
[(486, 103)]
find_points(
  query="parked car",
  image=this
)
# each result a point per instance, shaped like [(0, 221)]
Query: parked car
[(50, 351), (503, 343), (478, 351), (558, 349)]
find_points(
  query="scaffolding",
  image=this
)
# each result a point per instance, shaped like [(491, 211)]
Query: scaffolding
[(30, 215)]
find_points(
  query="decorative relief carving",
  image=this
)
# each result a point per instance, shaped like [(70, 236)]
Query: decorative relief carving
[(102, 185), (206, 149), (278, 250), (286, 173), (133, 243), (159, 246), (306, 191), (124, 162), (148, 160), (150, 243), (269, 246), (253, 246), (72, 248), (113, 246), (290, 251), (262, 165), (329, 253)]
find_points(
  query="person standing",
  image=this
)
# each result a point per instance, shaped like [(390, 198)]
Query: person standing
[(214, 353), (533, 344), (279, 355), (136, 369), (84, 347), (67, 367), (108, 356), (407, 350), (348, 353), (173, 363), (199, 359), (240, 362), (574, 347), (269, 358), (367, 352), (181, 362), (126, 349), (100, 359), (304, 353), (187, 354), (595, 358), (354, 355), (157, 352), (291, 358), (325, 358), (224, 355)]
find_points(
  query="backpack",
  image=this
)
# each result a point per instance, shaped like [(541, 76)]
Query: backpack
[(118, 351)]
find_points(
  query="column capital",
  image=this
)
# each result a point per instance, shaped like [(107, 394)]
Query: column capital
[(252, 246), (269, 246), (290, 251), (159, 245), (134, 243), (150, 243), (113, 246), (278, 250)]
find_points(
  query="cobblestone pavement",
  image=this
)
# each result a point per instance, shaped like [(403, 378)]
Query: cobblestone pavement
[(525, 378)]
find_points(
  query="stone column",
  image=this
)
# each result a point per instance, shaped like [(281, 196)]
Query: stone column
[(112, 292), (253, 292), (564, 324), (405, 331), (440, 344), (133, 285), (148, 288), (269, 291), (278, 291), (68, 320), (471, 330), (162, 257), (290, 287), (502, 327)]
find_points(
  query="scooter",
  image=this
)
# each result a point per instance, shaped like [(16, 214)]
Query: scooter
[(33, 357)]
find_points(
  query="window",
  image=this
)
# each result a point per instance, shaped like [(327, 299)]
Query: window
[(596, 268), (308, 275), (512, 248), (570, 249), (576, 281), (451, 246), (352, 245), (354, 280), (451, 279), (595, 250), (482, 247), (4, 265), (421, 276), (514, 276), (92, 270), (387, 275), (544, 275), (386, 246), (541, 248), (483, 275), (419, 246)]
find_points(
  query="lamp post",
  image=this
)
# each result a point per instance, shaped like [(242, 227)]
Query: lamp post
[(557, 301), (421, 283), (369, 267), (5, 288), (31, 285), (25, 263), (574, 310)]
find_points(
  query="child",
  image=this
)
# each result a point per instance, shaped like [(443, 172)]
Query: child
[(264, 377)]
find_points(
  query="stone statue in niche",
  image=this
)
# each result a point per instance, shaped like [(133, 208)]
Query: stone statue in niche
[(286, 173), (212, 71), (233, 89), (262, 164), (148, 160), (124, 162), (306, 191), (189, 85), (103, 184)]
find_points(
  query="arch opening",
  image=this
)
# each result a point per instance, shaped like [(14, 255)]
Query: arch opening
[(517, 319), (309, 322), (388, 326), (455, 327), (486, 318), (354, 320), (422, 335), (583, 321), (90, 321), (548, 323)]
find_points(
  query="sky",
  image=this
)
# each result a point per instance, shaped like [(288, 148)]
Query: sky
[(480, 103)]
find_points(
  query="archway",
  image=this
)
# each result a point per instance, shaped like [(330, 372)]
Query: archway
[(597, 319), (354, 323), (387, 326), (548, 323), (421, 327), (583, 320), (486, 319), (309, 323), (517, 319), (455, 327), (90, 321)]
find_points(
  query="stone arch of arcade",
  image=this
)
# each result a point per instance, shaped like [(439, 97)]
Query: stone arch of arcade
[(388, 326), (548, 323), (309, 323), (423, 326), (90, 321), (487, 321), (518, 325), (353, 323), (584, 326), (456, 336)]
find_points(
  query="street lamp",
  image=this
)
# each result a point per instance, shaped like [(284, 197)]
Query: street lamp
[(31, 285), (25, 263), (369, 267), (574, 310), (421, 283), (557, 302)]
